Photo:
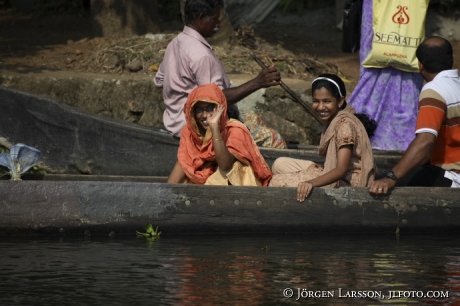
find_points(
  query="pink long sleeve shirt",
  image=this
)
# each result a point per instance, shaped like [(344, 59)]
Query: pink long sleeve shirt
[(188, 63)]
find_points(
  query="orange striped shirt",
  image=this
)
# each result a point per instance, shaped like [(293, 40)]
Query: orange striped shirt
[(439, 114)]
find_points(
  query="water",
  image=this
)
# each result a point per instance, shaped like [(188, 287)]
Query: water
[(229, 270)]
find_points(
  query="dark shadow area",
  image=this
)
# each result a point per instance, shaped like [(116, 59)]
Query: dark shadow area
[(303, 29), (38, 35), (25, 33), (119, 18), (313, 31)]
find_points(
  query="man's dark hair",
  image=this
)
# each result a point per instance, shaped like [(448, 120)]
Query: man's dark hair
[(436, 54), (193, 9)]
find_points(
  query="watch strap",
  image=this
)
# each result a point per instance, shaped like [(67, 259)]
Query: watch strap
[(392, 176)]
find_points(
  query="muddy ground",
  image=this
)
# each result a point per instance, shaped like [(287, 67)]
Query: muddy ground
[(302, 45), (66, 43)]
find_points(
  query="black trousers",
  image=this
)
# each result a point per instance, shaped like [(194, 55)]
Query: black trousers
[(430, 176)]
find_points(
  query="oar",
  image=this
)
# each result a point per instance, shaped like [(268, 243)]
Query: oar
[(304, 104)]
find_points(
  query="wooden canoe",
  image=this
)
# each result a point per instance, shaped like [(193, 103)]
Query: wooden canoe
[(101, 204), (76, 142)]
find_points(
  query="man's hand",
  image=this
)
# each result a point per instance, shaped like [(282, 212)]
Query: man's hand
[(382, 186), (268, 77)]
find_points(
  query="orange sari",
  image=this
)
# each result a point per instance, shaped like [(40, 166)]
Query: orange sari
[(196, 153)]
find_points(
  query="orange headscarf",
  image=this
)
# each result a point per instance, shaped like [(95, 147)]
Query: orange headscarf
[(196, 153)]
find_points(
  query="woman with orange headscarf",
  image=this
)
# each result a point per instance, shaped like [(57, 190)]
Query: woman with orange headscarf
[(214, 150)]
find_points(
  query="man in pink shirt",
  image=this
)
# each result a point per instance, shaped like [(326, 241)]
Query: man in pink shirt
[(189, 62)]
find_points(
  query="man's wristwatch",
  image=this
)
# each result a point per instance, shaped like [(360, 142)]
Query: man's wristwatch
[(392, 176)]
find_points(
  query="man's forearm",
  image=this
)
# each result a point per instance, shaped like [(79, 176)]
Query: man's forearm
[(235, 94), (416, 155), (267, 78)]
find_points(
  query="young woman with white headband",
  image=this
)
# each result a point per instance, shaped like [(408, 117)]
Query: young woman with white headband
[(344, 143)]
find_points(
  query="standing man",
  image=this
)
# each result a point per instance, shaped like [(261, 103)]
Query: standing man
[(189, 62), (437, 131)]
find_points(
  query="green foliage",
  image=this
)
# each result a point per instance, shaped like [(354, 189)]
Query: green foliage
[(37, 170), (150, 232), (282, 66)]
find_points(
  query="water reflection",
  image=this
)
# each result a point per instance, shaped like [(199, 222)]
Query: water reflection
[(229, 270)]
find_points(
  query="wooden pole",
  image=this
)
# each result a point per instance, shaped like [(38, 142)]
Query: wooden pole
[(304, 104)]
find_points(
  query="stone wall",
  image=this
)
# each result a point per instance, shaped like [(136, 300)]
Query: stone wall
[(126, 99), (137, 100)]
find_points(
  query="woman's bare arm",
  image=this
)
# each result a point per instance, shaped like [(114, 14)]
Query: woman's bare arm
[(343, 163), (224, 158), (177, 175)]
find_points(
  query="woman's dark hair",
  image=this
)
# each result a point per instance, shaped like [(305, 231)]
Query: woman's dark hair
[(369, 124), (193, 9), (324, 80), (336, 87), (233, 112)]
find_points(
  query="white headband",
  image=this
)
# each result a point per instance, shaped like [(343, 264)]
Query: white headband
[(330, 80)]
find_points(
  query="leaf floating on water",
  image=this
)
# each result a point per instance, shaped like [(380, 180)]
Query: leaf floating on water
[(150, 232), (149, 228)]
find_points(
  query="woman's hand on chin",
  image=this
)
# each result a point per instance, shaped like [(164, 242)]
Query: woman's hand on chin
[(214, 119)]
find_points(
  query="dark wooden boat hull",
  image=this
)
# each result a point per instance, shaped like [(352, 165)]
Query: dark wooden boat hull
[(123, 207), (73, 141)]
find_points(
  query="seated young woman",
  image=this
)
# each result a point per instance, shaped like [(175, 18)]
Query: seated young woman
[(215, 150), (344, 144)]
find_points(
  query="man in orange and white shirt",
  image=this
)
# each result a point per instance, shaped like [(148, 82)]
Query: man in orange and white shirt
[(437, 138)]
